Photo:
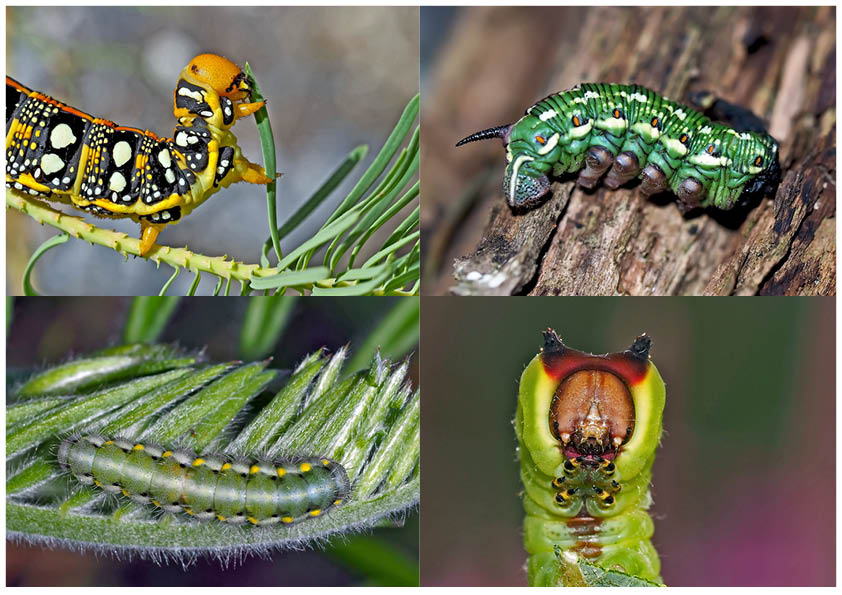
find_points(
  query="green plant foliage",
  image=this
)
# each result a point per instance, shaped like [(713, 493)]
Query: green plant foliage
[(368, 421)]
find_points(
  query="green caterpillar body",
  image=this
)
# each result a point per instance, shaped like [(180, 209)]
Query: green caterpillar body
[(231, 490), (587, 429), (630, 131)]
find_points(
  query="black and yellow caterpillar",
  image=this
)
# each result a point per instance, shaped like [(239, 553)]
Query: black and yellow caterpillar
[(630, 131), (61, 153)]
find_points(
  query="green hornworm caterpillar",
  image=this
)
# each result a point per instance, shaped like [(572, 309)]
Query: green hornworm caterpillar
[(634, 132), (58, 152), (587, 429), (232, 490)]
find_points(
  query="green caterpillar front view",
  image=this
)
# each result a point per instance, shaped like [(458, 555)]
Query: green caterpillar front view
[(587, 429), (630, 131)]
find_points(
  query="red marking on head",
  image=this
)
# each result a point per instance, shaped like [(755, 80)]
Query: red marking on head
[(559, 365)]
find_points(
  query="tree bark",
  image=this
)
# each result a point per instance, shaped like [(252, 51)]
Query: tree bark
[(779, 62)]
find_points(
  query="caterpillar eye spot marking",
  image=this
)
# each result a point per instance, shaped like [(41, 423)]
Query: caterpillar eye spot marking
[(125, 172), (181, 481), (668, 146)]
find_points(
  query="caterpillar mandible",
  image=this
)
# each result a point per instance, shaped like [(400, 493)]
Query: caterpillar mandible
[(587, 428), (58, 152), (207, 487), (630, 131)]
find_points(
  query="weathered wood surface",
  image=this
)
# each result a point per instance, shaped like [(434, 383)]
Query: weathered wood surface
[(779, 62)]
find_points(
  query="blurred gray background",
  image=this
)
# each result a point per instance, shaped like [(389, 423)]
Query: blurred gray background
[(744, 482), (334, 78)]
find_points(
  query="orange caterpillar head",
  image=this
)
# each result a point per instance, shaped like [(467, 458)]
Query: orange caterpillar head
[(220, 74)]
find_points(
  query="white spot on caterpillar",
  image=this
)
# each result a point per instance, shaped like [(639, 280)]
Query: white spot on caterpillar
[(639, 97), (513, 182), (613, 123), (51, 163), (551, 144), (581, 131), (679, 113), (547, 115), (122, 152), (591, 95), (675, 146), (117, 183), (61, 136), (164, 158), (195, 95)]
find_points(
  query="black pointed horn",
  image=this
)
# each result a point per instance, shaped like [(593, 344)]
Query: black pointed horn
[(640, 347), (552, 342), (496, 132)]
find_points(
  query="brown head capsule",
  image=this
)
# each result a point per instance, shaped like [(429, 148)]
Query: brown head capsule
[(592, 414)]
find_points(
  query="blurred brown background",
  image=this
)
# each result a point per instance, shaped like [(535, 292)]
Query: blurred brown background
[(333, 77), (743, 484)]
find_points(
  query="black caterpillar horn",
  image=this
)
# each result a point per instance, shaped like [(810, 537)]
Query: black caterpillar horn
[(496, 132)]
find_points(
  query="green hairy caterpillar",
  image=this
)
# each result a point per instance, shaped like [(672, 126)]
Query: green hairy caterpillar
[(58, 152), (630, 131), (587, 428), (232, 490)]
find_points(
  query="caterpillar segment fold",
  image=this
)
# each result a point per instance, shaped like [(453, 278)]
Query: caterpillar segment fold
[(59, 153)]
